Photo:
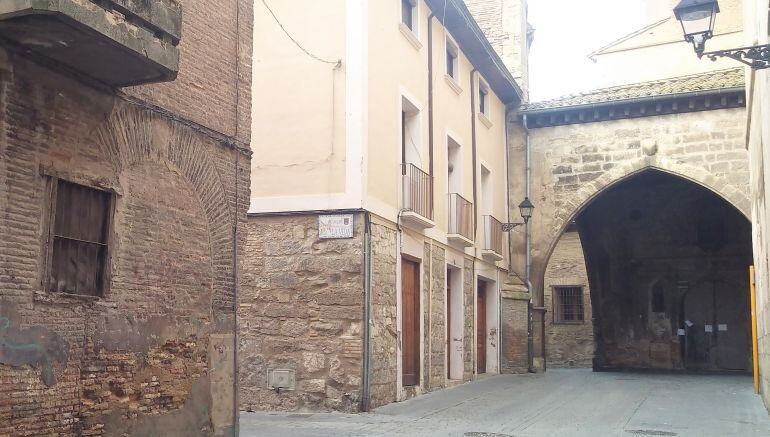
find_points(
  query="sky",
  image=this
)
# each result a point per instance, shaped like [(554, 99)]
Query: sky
[(566, 32)]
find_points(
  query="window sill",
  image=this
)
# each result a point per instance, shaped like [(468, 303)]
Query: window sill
[(410, 36), (51, 297), (452, 82), (485, 120), (580, 322)]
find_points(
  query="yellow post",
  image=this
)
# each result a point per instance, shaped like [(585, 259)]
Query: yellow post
[(754, 346)]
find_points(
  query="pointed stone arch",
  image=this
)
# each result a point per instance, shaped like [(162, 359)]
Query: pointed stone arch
[(132, 136), (569, 208)]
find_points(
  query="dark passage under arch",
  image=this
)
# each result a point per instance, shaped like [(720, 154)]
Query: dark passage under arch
[(667, 263)]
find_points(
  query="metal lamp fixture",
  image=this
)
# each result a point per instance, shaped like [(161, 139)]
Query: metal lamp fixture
[(525, 209), (698, 17)]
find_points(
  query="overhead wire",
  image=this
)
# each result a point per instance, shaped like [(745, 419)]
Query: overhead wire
[(337, 63)]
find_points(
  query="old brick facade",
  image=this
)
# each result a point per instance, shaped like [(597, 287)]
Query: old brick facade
[(154, 353)]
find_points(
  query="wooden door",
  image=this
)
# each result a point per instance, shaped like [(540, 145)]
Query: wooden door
[(448, 323), (410, 322), (481, 328)]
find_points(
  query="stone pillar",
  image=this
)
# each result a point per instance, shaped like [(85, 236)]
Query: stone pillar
[(515, 301)]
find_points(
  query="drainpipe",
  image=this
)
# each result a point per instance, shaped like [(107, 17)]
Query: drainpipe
[(430, 105), (527, 254), (367, 310), (473, 149)]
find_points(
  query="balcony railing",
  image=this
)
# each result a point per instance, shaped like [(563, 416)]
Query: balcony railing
[(418, 191), (460, 216), (493, 235)]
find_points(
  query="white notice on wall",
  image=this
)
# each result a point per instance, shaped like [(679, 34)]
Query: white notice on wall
[(680, 332), (723, 327), (709, 328), (688, 323), (335, 226)]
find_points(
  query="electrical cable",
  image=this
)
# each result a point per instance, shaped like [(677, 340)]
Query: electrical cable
[(317, 58)]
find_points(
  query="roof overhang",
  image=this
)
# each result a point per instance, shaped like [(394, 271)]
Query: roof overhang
[(648, 106), (457, 19)]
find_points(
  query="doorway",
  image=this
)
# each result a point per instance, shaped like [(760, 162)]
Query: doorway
[(410, 322), (481, 327), (454, 322)]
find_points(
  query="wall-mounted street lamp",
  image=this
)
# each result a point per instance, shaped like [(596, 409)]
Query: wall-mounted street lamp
[(525, 209), (698, 17)]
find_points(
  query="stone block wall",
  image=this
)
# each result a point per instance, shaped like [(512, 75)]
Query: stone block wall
[(514, 335), (504, 23), (138, 359), (301, 308), (384, 325), (469, 326), (437, 321), (568, 345), (572, 164)]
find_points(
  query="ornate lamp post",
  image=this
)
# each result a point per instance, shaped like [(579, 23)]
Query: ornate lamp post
[(698, 17)]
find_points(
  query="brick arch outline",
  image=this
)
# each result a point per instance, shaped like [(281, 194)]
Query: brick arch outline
[(131, 136), (589, 191)]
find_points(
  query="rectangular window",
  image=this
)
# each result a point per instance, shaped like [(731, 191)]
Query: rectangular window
[(408, 12), (483, 98), (452, 53), (568, 305), (78, 236)]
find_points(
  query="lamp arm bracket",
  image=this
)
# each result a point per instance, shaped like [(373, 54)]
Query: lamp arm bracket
[(509, 227), (756, 57)]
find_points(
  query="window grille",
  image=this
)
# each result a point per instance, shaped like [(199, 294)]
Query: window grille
[(568, 305), (78, 239)]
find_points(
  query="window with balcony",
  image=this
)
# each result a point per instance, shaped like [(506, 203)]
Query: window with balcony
[(460, 214), (493, 228), (417, 196)]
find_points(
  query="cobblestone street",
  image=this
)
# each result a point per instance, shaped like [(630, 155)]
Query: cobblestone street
[(560, 403)]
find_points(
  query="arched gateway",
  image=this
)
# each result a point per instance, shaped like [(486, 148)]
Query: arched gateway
[(646, 151)]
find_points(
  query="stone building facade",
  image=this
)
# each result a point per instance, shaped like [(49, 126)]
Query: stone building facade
[(118, 210), (408, 146), (584, 145), (570, 339)]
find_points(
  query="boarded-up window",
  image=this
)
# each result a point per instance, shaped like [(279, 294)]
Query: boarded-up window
[(78, 239), (568, 305)]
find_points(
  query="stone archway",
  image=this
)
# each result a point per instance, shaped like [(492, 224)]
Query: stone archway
[(567, 208), (655, 252)]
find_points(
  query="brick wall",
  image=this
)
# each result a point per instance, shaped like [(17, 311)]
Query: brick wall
[(214, 81), (568, 345), (301, 308), (138, 358)]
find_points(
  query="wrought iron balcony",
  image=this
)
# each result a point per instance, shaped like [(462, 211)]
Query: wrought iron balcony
[(417, 196), (460, 230), (492, 249), (116, 42)]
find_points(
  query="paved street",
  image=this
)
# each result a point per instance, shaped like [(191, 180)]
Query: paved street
[(560, 403)]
